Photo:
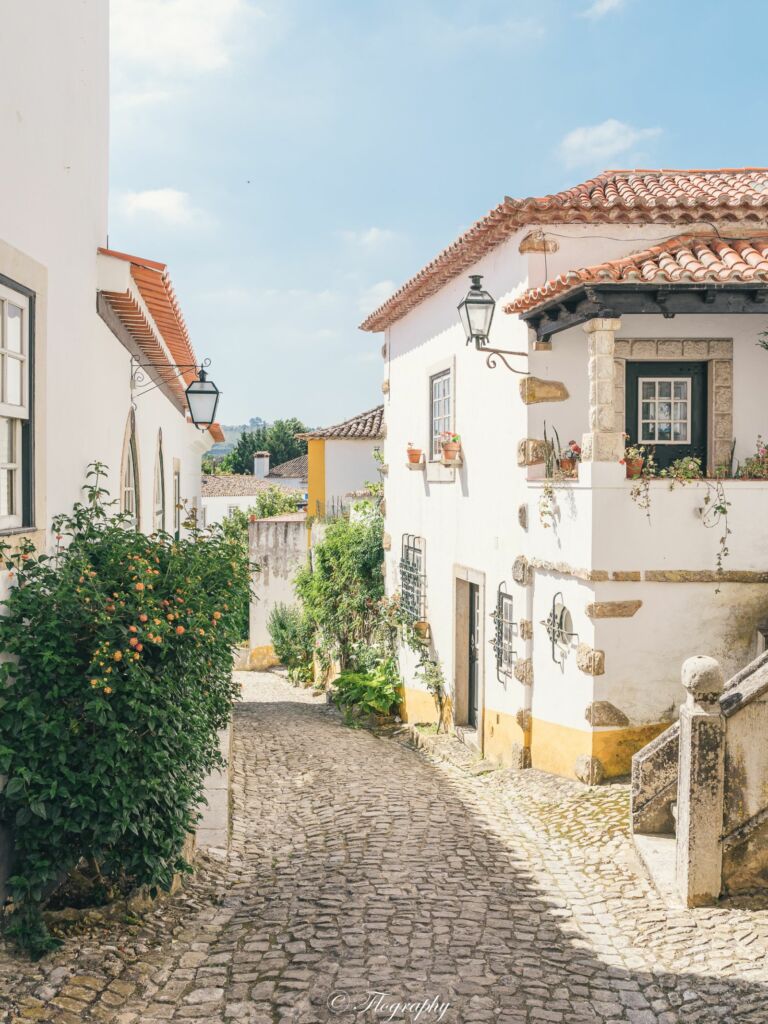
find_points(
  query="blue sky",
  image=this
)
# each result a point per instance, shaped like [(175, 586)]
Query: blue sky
[(293, 161)]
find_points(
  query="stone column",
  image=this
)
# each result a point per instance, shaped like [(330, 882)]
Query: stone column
[(603, 443), (700, 784)]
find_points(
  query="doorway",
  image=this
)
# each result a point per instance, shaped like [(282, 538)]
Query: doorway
[(667, 409), (468, 664), (473, 656)]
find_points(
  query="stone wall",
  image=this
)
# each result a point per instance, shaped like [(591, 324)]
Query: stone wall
[(279, 547)]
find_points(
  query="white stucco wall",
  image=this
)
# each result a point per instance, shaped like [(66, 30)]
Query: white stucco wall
[(279, 548), (349, 465)]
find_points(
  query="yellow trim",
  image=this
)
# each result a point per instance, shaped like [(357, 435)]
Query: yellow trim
[(263, 657), (500, 734), (419, 706), (316, 476), (555, 748)]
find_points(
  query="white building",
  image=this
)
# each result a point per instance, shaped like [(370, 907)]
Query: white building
[(560, 611), (227, 492), (342, 460), (73, 393)]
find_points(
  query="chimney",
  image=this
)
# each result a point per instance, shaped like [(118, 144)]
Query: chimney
[(261, 464)]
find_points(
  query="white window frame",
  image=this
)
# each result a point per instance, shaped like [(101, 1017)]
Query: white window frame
[(130, 491), (441, 421), (177, 498), (16, 414), (672, 419), (158, 504)]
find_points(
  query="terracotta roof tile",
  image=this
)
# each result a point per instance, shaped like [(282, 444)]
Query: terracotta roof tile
[(686, 258), (154, 285), (366, 426), (298, 467), (231, 485), (631, 196)]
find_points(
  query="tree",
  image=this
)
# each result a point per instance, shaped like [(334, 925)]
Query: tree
[(279, 440)]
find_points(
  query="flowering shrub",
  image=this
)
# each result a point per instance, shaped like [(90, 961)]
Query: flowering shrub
[(687, 468), (755, 467), (118, 680)]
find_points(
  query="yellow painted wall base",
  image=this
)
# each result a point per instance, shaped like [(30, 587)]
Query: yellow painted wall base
[(262, 658), (419, 706), (555, 748), (501, 734)]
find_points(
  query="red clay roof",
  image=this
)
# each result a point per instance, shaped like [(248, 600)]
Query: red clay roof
[(632, 196), (686, 258), (366, 426), (154, 285)]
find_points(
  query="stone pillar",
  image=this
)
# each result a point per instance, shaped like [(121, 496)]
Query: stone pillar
[(603, 443), (699, 857)]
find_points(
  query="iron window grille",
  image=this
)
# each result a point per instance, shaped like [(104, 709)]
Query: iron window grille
[(413, 588), (559, 627), (505, 629)]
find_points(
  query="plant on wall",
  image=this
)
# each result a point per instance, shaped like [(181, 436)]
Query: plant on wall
[(553, 472)]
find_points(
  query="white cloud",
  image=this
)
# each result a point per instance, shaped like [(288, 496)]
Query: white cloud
[(601, 143), (370, 238), (602, 7), (165, 204), (372, 297), (168, 37)]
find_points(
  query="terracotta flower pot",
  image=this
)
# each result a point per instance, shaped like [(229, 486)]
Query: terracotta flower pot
[(634, 468), (414, 455), (568, 467), (421, 629), (450, 450)]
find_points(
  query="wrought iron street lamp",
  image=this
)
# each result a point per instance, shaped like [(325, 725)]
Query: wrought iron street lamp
[(476, 312), (202, 399)]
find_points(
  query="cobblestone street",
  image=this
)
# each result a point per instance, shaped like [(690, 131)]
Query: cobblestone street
[(360, 866)]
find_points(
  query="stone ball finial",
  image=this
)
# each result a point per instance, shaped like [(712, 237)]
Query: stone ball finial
[(703, 678)]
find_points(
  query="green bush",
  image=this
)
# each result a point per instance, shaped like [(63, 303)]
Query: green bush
[(374, 692), (292, 635), (342, 589), (118, 681)]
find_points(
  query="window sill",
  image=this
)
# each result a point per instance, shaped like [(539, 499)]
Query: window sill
[(437, 472)]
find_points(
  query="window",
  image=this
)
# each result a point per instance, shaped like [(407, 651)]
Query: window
[(130, 474), (176, 498), (412, 578), (440, 409), (15, 404), (159, 496), (231, 509), (665, 410), (503, 640)]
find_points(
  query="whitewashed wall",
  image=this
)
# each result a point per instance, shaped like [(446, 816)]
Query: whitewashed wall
[(349, 465)]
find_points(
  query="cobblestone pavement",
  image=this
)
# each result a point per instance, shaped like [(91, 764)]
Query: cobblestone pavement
[(361, 866)]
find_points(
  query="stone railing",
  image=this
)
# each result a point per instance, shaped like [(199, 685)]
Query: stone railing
[(706, 780)]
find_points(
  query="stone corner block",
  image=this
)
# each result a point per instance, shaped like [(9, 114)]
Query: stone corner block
[(602, 712), (386, 542), (613, 609), (531, 451), (589, 770), (523, 719), (590, 661), (524, 671), (385, 387), (522, 571), (534, 389), (600, 323), (525, 627), (537, 241), (521, 756)]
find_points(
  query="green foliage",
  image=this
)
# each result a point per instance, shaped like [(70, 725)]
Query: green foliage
[(686, 468), (342, 588), (755, 467), (279, 439), (293, 638), (373, 692), (117, 679)]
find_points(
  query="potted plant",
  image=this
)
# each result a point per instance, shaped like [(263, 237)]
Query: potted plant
[(755, 467), (421, 629), (570, 458), (634, 459), (450, 446), (414, 453)]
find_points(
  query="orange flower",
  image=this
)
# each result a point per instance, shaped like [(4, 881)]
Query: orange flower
[(201, 632), (143, 617), (217, 615), (136, 657), (133, 641), (118, 655), (170, 617), (94, 682), (140, 647), (107, 689), (180, 630), (133, 629), (139, 586)]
